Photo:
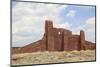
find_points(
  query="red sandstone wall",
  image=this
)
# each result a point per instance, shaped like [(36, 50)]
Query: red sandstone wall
[(37, 46), (57, 39), (89, 45), (74, 42), (66, 40), (49, 35), (82, 40), (58, 35)]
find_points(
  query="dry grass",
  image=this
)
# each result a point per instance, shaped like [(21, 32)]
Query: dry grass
[(52, 57)]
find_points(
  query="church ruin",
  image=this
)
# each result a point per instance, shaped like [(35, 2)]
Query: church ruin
[(57, 39)]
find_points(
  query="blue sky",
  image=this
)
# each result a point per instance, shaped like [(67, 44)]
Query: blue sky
[(28, 20), (81, 14)]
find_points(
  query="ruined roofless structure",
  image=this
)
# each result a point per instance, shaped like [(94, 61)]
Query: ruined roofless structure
[(57, 39)]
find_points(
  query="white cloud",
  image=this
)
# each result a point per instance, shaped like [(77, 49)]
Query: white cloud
[(65, 25), (30, 18), (91, 21), (91, 29), (71, 13)]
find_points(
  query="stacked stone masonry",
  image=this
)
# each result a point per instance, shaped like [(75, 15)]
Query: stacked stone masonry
[(57, 39)]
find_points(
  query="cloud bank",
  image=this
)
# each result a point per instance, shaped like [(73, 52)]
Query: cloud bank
[(28, 20)]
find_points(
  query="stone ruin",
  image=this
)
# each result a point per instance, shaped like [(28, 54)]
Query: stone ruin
[(57, 39)]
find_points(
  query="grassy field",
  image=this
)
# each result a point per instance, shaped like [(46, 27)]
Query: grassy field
[(52, 57)]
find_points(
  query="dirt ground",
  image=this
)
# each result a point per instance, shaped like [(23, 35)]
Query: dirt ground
[(52, 57)]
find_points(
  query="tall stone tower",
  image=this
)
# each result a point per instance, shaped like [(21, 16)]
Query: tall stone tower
[(82, 40), (66, 39), (49, 35)]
